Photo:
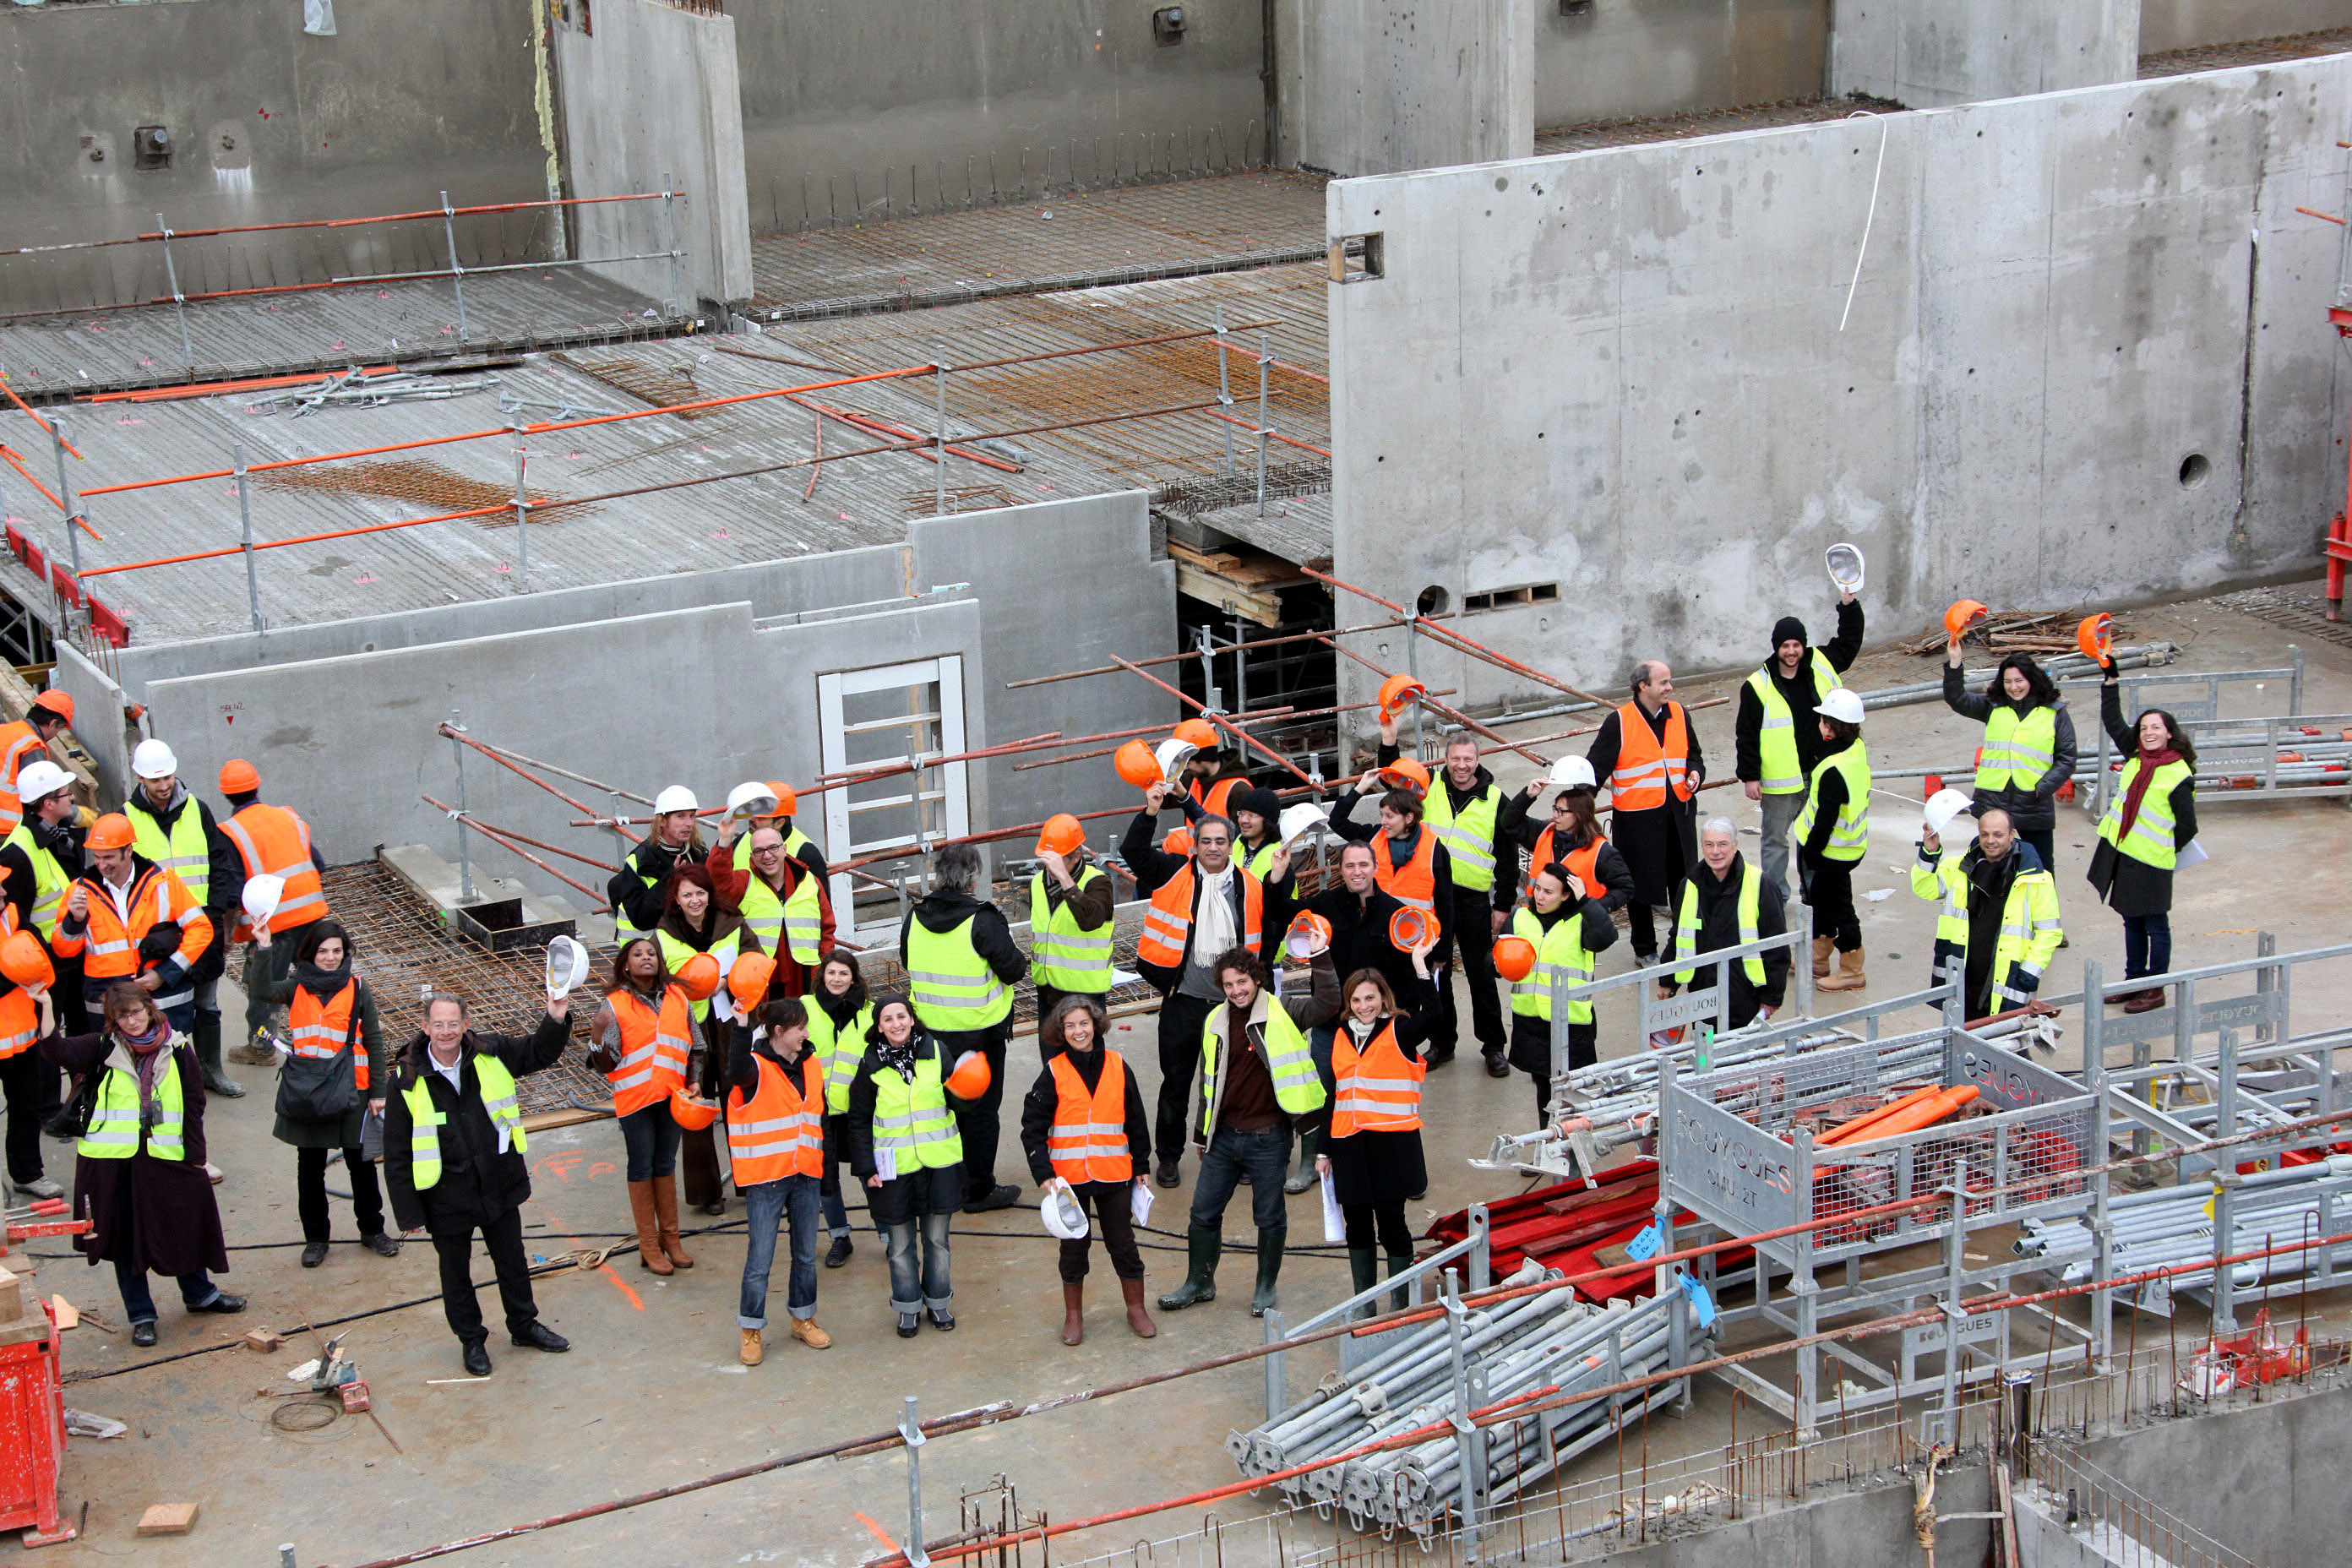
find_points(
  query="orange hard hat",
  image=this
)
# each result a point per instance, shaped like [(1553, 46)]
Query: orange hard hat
[(787, 803), (2096, 636), (24, 960), (1409, 927), (748, 981), (1406, 772), (58, 702), (111, 831), (238, 776), (698, 976), (971, 1078), (1309, 934), (691, 1114), (1962, 615), (1137, 766), (1198, 733), (1399, 692), (1514, 957), (1177, 843), (1064, 834)]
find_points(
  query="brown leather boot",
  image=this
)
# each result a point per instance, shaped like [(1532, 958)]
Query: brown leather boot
[(1849, 977), (1823, 947), (1074, 1313), (1137, 1318), (666, 1212), (641, 1207)]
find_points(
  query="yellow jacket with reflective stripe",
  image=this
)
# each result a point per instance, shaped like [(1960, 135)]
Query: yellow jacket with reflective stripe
[(793, 925), (1062, 952), (1776, 738), (183, 850), (114, 1131), (1687, 924), (675, 953), (2017, 750), (2030, 928), (952, 984), (1297, 1087), (2151, 838), (1560, 951), (912, 1120), (50, 882), (1851, 835), (840, 1050), (1469, 838)]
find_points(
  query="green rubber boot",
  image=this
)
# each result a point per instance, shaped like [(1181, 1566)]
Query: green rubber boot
[(1363, 1272), (208, 1055), (1269, 1265), (1398, 1263), (1201, 1282)]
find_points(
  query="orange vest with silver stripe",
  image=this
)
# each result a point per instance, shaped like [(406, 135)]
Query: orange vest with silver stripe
[(1219, 796), (321, 1029), (18, 745), (1379, 1089), (653, 1048), (1646, 767), (1088, 1141), (1168, 924), (1415, 881), (20, 1024), (273, 842), (780, 1131), (1584, 863), (110, 947)]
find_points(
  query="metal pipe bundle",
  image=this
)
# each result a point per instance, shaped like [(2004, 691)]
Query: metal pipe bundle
[(2173, 1227)]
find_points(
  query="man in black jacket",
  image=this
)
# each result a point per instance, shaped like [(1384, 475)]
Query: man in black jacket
[(166, 819), (453, 1156), (1358, 912), (1785, 692), (975, 931), (672, 840), (1712, 896)]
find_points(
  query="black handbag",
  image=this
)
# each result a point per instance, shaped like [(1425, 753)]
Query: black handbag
[(311, 1089)]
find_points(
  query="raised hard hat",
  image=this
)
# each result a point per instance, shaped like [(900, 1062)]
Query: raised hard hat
[(1409, 927), (2096, 636), (1399, 692), (748, 981), (111, 831), (1172, 755), (1845, 567), (41, 779), (1964, 613), (1942, 806), (698, 976), (24, 960), (677, 797), (1573, 772), (262, 896), (746, 801), (1842, 704), (1406, 772), (1309, 934), (154, 760), (787, 803), (1297, 821), (1136, 764)]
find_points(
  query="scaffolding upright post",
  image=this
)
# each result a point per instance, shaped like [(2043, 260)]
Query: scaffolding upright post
[(670, 228), (66, 496), (521, 507), (179, 300), (1955, 1289), (1263, 431), (1224, 388), (464, 852), (457, 272), (939, 441), (2103, 1229), (245, 520), (1412, 667), (910, 1432)]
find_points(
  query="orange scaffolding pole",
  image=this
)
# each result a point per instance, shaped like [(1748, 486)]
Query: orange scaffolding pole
[(1450, 637), (1222, 722)]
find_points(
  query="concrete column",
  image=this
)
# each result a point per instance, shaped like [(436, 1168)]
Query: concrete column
[(1929, 54), (651, 92), (1377, 87)]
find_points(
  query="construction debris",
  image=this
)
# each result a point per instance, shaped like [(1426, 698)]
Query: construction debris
[(2013, 631), (264, 1339), (168, 1518), (364, 389)]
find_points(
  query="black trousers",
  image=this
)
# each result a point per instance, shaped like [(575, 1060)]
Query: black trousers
[(503, 1238), (1114, 1221), (311, 1192), (28, 1079), (1832, 896), (1474, 947), (1385, 1222), (979, 1123), (1181, 1019)]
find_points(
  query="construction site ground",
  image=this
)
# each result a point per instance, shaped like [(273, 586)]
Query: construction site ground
[(652, 1393)]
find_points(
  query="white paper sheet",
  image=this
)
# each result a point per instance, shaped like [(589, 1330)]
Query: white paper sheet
[(1335, 1226)]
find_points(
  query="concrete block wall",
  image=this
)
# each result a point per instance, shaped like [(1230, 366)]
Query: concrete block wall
[(1928, 55), (1617, 59), (1370, 87), (2166, 24), (2087, 361)]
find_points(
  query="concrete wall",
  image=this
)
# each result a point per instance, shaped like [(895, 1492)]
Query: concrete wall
[(1624, 370), (409, 98), (650, 96), (1370, 87), (1627, 58), (1928, 55), (2265, 1480), (2190, 23), (932, 89)]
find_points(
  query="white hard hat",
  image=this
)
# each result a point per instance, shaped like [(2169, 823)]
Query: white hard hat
[(1297, 821), (746, 801), (1843, 705), (1063, 1216), (1173, 755), (677, 797), (262, 895), (40, 779), (1572, 773), (1845, 566), (1942, 806), (153, 760), (567, 966)]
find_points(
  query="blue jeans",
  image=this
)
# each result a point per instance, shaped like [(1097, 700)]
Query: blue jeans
[(2147, 945), (1266, 1155), (138, 1305), (792, 1199), (913, 1285), (651, 1135)]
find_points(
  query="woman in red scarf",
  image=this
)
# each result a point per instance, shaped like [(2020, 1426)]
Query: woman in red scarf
[(2152, 816)]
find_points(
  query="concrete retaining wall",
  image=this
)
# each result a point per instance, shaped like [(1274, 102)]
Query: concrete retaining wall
[(1926, 55), (1636, 57), (1370, 87), (2087, 358), (2191, 24)]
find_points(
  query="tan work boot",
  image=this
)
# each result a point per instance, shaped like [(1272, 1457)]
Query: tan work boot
[(641, 1208), (1849, 976), (1823, 947), (752, 1353), (665, 1214), (805, 1331)]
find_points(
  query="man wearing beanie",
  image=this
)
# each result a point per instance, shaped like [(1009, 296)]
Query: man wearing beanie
[(1256, 814), (1778, 740)]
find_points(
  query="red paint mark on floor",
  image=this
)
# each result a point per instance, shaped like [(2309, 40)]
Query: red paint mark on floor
[(880, 1534)]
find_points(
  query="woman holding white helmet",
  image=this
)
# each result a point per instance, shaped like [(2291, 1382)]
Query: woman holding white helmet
[(1572, 837), (1834, 830), (1084, 1129)]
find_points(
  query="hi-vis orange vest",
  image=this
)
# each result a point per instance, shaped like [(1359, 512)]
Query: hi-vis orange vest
[(1168, 924), (273, 842), (19, 744), (1088, 1141), (321, 1029), (20, 1024), (1219, 795), (1379, 1089), (653, 1048), (1645, 767), (780, 1131), (109, 948), (1415, 881), (1584, 863)]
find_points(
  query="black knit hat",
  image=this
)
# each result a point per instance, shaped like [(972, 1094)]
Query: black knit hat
[(1264, 802), (1788, 628)]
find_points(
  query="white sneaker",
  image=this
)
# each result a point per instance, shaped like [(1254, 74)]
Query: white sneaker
[(39, 1187)]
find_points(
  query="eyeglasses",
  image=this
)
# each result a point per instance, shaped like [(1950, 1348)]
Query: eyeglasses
[(771, 849)]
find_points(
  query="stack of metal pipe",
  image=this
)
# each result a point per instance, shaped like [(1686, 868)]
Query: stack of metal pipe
[(2173, 1227), (1550, 1339)]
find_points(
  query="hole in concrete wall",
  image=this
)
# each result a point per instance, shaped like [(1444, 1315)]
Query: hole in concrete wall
[(1576, 7), (2195, 470), (1434, 600), (1356, 258)]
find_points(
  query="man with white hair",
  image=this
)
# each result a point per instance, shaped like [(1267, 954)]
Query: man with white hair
[(1726, 902)]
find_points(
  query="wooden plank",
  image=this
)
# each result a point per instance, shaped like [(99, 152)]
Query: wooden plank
[(16, 695), (571, 1116), (1234, 598), (168, 1518)]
